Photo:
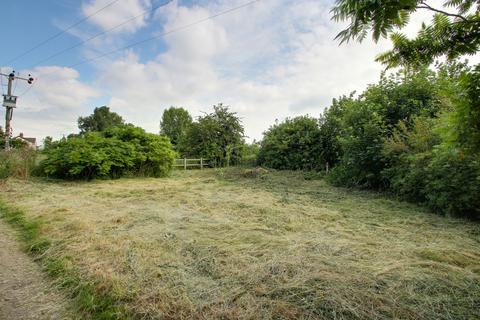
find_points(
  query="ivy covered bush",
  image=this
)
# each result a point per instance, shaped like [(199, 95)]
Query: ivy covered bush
[(116, 152)]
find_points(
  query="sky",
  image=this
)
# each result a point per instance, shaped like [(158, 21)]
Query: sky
[(267, 60)]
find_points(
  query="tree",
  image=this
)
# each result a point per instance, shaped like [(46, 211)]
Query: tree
[(175, 124), (218, 136), (101, 119), (47, 142), (454, 31)]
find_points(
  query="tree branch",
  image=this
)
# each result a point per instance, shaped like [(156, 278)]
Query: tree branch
[(426, 6)]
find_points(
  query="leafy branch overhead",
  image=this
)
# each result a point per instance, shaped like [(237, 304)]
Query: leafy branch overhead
[(453, 32)]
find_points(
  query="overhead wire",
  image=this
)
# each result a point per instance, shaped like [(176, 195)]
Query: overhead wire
[(26, 90), (61, 32), (1, 81), (165, 33), (159, 35), (104, 32)]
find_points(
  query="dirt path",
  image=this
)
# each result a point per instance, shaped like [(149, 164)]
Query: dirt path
[(24, 291)]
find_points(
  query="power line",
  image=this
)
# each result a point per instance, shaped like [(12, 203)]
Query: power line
[(102, 33), (165, 33), (61, 32), (1, 81)]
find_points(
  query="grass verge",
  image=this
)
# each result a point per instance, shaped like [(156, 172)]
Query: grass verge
[(89, 300)]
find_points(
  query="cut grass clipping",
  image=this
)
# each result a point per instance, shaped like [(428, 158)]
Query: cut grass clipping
[(247, 244), (90, 302)]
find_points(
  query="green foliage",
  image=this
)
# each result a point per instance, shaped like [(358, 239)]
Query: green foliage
[(47, 142), (217, 136), (454, 31), (361, 138), (116, 152), (361, 125), (453, 183), (403, 95), (175, 124), (101, 119), (292, 145), (461, 128), (249, 154), (154, 155), (330, 130), (409, 152)]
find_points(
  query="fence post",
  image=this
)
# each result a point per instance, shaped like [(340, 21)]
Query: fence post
[(201, 163), (184, 163)]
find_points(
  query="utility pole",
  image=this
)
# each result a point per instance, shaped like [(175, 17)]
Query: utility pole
[(10, 102)]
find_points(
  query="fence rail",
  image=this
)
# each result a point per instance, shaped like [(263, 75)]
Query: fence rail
[(189, 163)]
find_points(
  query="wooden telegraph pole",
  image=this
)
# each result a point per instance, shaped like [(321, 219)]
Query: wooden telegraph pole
[(10, 102)]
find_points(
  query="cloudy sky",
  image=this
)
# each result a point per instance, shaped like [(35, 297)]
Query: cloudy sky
[(268, 60)]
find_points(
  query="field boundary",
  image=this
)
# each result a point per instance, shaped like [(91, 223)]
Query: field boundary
[(189, 163), (89, 300)]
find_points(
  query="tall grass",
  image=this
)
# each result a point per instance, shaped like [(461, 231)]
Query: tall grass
[(17, 163)]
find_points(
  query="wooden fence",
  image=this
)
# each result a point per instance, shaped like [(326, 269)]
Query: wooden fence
[(192, 163)]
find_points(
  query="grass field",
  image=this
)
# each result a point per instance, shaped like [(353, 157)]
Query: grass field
[(237, 244)]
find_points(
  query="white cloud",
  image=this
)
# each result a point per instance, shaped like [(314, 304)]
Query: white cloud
[(267, 61), (117, 14)]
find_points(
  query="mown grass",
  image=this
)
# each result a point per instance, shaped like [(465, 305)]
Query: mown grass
[(88, 301), (243, 244)]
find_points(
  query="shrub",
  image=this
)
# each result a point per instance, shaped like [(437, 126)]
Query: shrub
[(453, 183), (116, 152), (87, 157), (153, 154), (292, 145), (361, 142)]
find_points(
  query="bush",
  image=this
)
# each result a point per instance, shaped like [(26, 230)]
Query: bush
[(119, 151), (154, 155), (361, 142), (453, 183), (292, 145)]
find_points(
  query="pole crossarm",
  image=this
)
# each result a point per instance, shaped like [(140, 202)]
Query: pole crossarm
[(10, 102)]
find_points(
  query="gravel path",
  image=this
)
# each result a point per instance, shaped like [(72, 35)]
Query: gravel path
[(25, 293)]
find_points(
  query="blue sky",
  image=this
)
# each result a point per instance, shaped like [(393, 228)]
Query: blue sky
[(269, 60)]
